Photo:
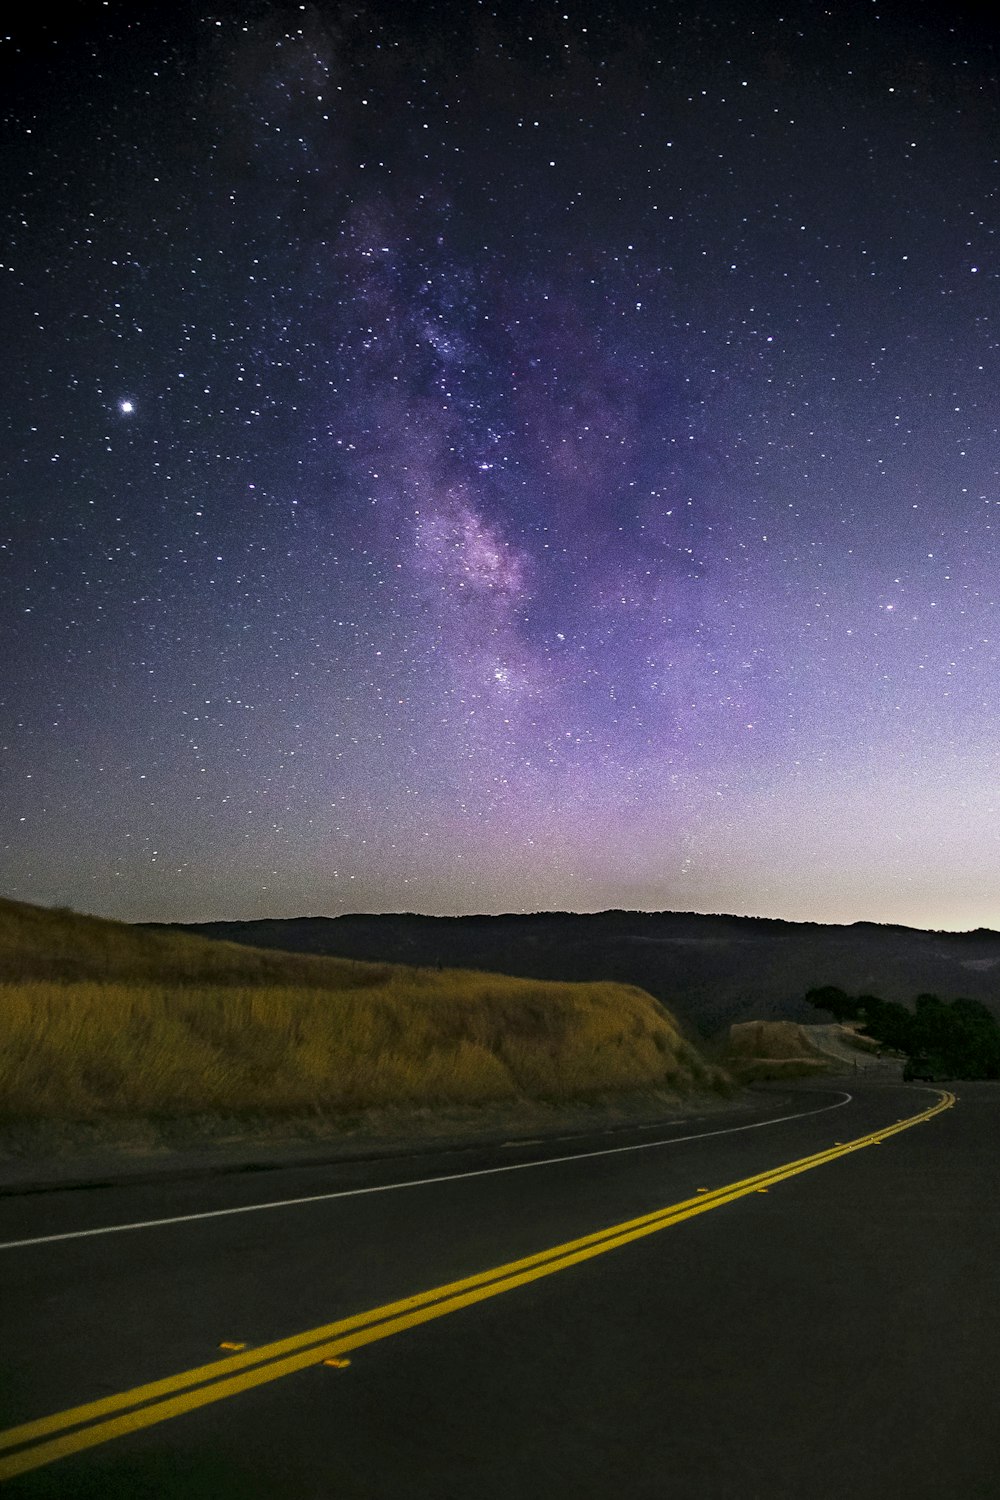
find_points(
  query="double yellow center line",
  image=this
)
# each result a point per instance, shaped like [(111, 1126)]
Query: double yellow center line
[(34, 1444)]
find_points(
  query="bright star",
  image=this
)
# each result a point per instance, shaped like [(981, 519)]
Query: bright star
[(126, 407)]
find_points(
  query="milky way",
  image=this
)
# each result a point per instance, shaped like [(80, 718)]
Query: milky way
[(459, 461)]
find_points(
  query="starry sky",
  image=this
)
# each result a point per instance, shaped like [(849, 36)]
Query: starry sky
[(461, 458)]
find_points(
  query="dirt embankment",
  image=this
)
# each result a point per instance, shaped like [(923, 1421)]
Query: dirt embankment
[(774, 1049), (782, 1049)]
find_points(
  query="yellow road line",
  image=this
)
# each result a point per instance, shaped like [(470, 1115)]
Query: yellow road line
[(50, 1438)]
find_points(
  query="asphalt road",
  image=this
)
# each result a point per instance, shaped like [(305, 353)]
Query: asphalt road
[(836, 1336)]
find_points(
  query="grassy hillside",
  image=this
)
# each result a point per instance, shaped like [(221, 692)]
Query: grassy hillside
[(98, 1019), (39, 944)]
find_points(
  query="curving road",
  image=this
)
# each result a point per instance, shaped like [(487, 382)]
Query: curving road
[(792, 1327)]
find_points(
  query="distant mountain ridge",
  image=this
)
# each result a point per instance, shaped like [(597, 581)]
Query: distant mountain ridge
[(712, 970)]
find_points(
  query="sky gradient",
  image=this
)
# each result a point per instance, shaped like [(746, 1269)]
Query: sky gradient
[(458, 460)]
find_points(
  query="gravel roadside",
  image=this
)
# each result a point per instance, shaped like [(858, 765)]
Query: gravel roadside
[(55, 1154)]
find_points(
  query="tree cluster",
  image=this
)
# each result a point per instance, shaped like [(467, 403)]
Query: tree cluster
[(960, 1036)]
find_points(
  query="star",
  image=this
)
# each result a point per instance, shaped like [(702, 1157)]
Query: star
[(458, 485)]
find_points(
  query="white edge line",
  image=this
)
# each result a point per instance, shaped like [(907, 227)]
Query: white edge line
[(391, 1187)]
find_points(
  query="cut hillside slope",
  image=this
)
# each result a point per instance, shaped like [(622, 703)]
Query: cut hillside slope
[(756, 1050), (101, 1020), (774, 1049)]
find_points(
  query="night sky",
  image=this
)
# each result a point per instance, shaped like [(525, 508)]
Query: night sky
[(474, 459)]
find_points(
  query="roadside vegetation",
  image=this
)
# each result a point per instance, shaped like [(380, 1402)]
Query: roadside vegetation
[(98, 1019), (952, 1039)]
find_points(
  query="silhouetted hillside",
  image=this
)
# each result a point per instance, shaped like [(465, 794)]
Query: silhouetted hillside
[(712, 970)]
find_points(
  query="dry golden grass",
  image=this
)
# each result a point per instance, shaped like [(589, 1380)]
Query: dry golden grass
[(125, 1022), (36, 943)]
